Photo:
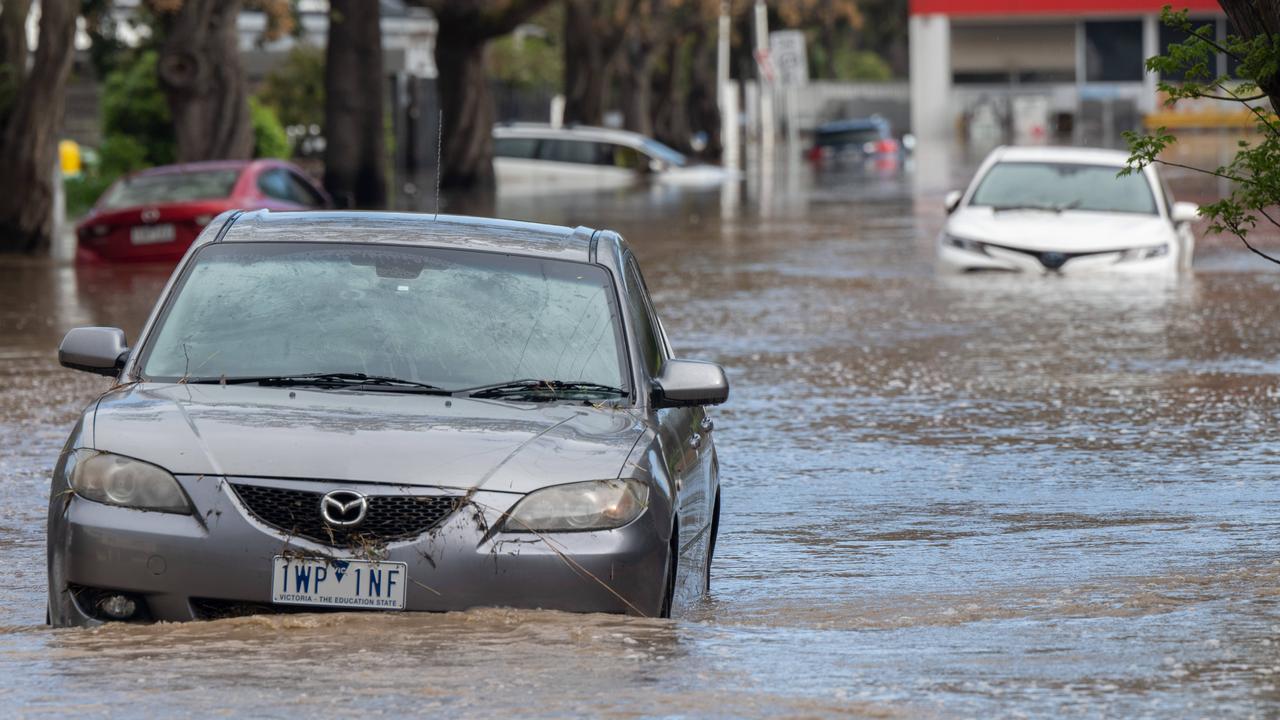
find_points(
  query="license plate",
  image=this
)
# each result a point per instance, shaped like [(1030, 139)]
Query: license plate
[(151, 234), (339, 583)]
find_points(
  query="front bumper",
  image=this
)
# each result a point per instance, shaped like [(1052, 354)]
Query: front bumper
[(181, 566), (1002, 259)]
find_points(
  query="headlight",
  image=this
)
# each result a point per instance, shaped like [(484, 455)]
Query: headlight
[(972, 246), (118, 480), (595, 505), (1144, 253)]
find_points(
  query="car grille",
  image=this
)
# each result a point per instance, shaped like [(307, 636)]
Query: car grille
[(390, 517)]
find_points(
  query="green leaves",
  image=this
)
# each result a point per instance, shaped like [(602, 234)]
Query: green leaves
[(1253, 174)]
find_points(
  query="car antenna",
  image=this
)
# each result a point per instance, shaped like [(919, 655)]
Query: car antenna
[(439, 144)]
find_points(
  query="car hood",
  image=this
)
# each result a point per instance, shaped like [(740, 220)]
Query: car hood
[(393, 438), (1069, 231)]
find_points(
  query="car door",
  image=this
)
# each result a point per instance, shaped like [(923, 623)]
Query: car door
[(679, 428)]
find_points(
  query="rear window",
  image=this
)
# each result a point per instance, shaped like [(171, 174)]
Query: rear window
[(848, 137), (171, 187)]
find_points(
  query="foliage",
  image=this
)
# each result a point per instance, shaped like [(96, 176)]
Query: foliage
[(526, 61), (269, 137), (295, 88), (1254, 172), (863, 65), (134, 110)]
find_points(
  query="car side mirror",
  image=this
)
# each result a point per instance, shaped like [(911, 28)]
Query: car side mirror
[(100, 350), (656, 165), (952, 201), (1184, 212), (689, 383)]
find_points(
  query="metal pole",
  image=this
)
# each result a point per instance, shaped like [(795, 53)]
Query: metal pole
[(766, 87), (722, 53)]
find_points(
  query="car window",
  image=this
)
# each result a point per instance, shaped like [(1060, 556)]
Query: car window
[(627, 158), (171, 187), (301, 191), (581, 152), (1064, 185), (274, 183), (647, 335), (520, 148), (855, 136), (450, 318)]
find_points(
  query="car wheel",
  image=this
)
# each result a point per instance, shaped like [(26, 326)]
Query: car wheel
[(669, 593)]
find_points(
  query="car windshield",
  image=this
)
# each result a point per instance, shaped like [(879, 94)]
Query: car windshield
[(171, 187), (664, 153), (856, 136), (1064, 186), (449, 318)]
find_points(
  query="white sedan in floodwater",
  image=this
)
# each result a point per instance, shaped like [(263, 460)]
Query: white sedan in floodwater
[(1065, 210)]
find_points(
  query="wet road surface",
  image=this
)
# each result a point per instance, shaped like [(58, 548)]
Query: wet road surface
[(943, 496)]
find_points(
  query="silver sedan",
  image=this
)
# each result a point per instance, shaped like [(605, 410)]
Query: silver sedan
[(351, 411)]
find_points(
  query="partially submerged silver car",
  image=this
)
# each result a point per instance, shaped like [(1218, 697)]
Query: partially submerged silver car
[(386, 411)]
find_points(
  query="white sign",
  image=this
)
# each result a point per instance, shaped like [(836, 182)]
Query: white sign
[(787, 51)]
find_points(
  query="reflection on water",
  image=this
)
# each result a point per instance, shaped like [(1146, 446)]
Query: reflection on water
[(942, 495)]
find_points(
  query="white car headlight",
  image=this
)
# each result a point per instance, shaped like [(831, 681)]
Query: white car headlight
[(593, 505), (963, 243), (117, 480)]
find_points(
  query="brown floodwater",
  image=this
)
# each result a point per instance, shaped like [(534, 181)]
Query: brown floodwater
[(943, 496)]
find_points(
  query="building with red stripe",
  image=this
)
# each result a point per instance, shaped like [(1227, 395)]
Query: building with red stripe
[(1083, 59)]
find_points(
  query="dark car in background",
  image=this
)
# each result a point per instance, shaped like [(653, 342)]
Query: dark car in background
[(869, 138), (155, 214)]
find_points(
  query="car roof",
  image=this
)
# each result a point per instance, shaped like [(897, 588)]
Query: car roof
[(1061, 154), (865, 123), (397, 228), (573, 132), (194, 167)]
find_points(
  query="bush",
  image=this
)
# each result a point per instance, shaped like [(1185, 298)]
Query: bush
[(295, 89), (269, 137), (133, 107)]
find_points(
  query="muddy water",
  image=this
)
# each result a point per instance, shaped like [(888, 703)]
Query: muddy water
[(943, 496)]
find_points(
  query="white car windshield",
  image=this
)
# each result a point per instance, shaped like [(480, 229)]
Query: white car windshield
[(449, 318), (1064, 186)]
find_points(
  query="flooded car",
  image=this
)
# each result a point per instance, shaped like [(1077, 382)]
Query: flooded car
[(855, 139), (534, 157), (153, 215), (363, 411), (1065, 210)]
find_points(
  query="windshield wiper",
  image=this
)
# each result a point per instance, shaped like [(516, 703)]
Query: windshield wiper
[(549, 389), (326, 379)]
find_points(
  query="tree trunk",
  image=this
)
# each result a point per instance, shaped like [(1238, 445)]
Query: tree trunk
[(463, 30), (637, 87), (670, 116), (585, 61), (29, 138), (13, 39), (202, 78), (1252, 18), (704, 107), (355, 157), (465, 99)]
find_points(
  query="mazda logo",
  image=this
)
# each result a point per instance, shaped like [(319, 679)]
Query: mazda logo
[(150, 215), (344, 508)]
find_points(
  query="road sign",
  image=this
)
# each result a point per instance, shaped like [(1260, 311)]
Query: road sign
[(787, 53)]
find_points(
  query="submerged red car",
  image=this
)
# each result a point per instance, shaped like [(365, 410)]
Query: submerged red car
[(153, 215)]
